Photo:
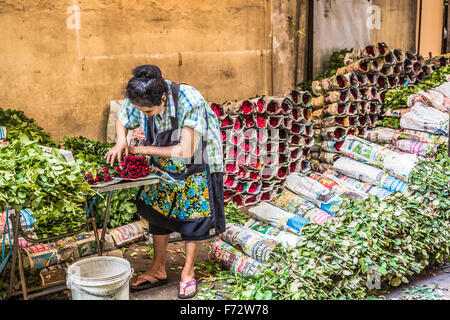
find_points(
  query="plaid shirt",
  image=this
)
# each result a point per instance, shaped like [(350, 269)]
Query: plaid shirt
[(191, 113)]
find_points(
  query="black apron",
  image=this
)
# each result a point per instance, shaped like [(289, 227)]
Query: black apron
[(196, 210)]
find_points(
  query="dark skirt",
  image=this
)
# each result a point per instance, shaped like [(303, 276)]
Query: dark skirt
[(190, 229)]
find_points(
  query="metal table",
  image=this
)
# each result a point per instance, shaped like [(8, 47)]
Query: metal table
[(90, 219)]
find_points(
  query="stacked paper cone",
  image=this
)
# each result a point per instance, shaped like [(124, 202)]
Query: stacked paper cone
[(264, 139)]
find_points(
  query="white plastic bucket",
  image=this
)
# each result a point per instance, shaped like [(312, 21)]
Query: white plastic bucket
[(100, 278)]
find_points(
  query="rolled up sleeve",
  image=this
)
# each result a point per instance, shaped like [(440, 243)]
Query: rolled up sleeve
[(129, 115)]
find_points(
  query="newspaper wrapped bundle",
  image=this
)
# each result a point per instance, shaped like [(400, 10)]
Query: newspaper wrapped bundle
[(26, 220), (363, 65), (66, 250), (358, 187), (244, 107), (230, 258), (129, 233), (299, 98), (298, 205), (286, 239), (424, 118), (422, 136), (438, 98), (326, 199), (422, 149), (249, 241), (397, 164), (338, 82), (369, 174), (278, 218), (3, 133)]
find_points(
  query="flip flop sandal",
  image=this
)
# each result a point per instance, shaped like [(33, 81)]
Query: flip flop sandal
[(185, 286), (148, 284)]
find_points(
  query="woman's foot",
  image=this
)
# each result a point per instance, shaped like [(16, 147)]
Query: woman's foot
[(188, 289), (149, 279), (188, 284)]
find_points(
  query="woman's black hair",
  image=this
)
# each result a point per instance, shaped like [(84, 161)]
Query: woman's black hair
[(147, 86), (147, 71)]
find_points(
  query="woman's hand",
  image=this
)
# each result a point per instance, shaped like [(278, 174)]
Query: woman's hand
[(135, 150), (116, 152)]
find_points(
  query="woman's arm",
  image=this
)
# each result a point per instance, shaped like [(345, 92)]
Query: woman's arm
[(185, 149), (121, 144)]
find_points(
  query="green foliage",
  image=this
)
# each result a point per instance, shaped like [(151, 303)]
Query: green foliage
[(18, 124), (394, 238), (397, 98), (52, 188), (336, 62), (234, 215), (92, 153)]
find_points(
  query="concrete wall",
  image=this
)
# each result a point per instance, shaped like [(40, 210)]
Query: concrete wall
[(398, 23), (64, 76), (431, 27)]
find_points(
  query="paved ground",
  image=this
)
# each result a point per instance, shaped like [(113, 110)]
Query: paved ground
[(438, 281)]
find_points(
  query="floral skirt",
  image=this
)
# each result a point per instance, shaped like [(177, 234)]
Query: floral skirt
[(195, 211)]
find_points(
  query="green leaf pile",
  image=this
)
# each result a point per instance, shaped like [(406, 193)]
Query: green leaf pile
[(18, 124), (123, 209), (392, 239), (52, 188)]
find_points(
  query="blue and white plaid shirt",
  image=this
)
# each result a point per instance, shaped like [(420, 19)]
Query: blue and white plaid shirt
[(191, 113)]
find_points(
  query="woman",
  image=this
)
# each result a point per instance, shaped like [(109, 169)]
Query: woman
[(184, 140)]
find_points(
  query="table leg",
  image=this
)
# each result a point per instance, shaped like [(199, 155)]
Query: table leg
[(106, 220), (15, 251), (22, 277)]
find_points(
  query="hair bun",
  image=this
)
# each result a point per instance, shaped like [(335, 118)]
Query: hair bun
[(147, 71)]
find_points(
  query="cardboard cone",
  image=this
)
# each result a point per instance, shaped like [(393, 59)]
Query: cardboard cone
[(352, 131), (329, 157), (399, 55), (230, 180), (218, 110), (273, 106)]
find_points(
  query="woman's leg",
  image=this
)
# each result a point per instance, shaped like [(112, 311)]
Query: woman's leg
[(191, 248), (158, 267)]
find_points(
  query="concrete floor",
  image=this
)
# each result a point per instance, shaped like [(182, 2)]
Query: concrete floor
[(138, 255)]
